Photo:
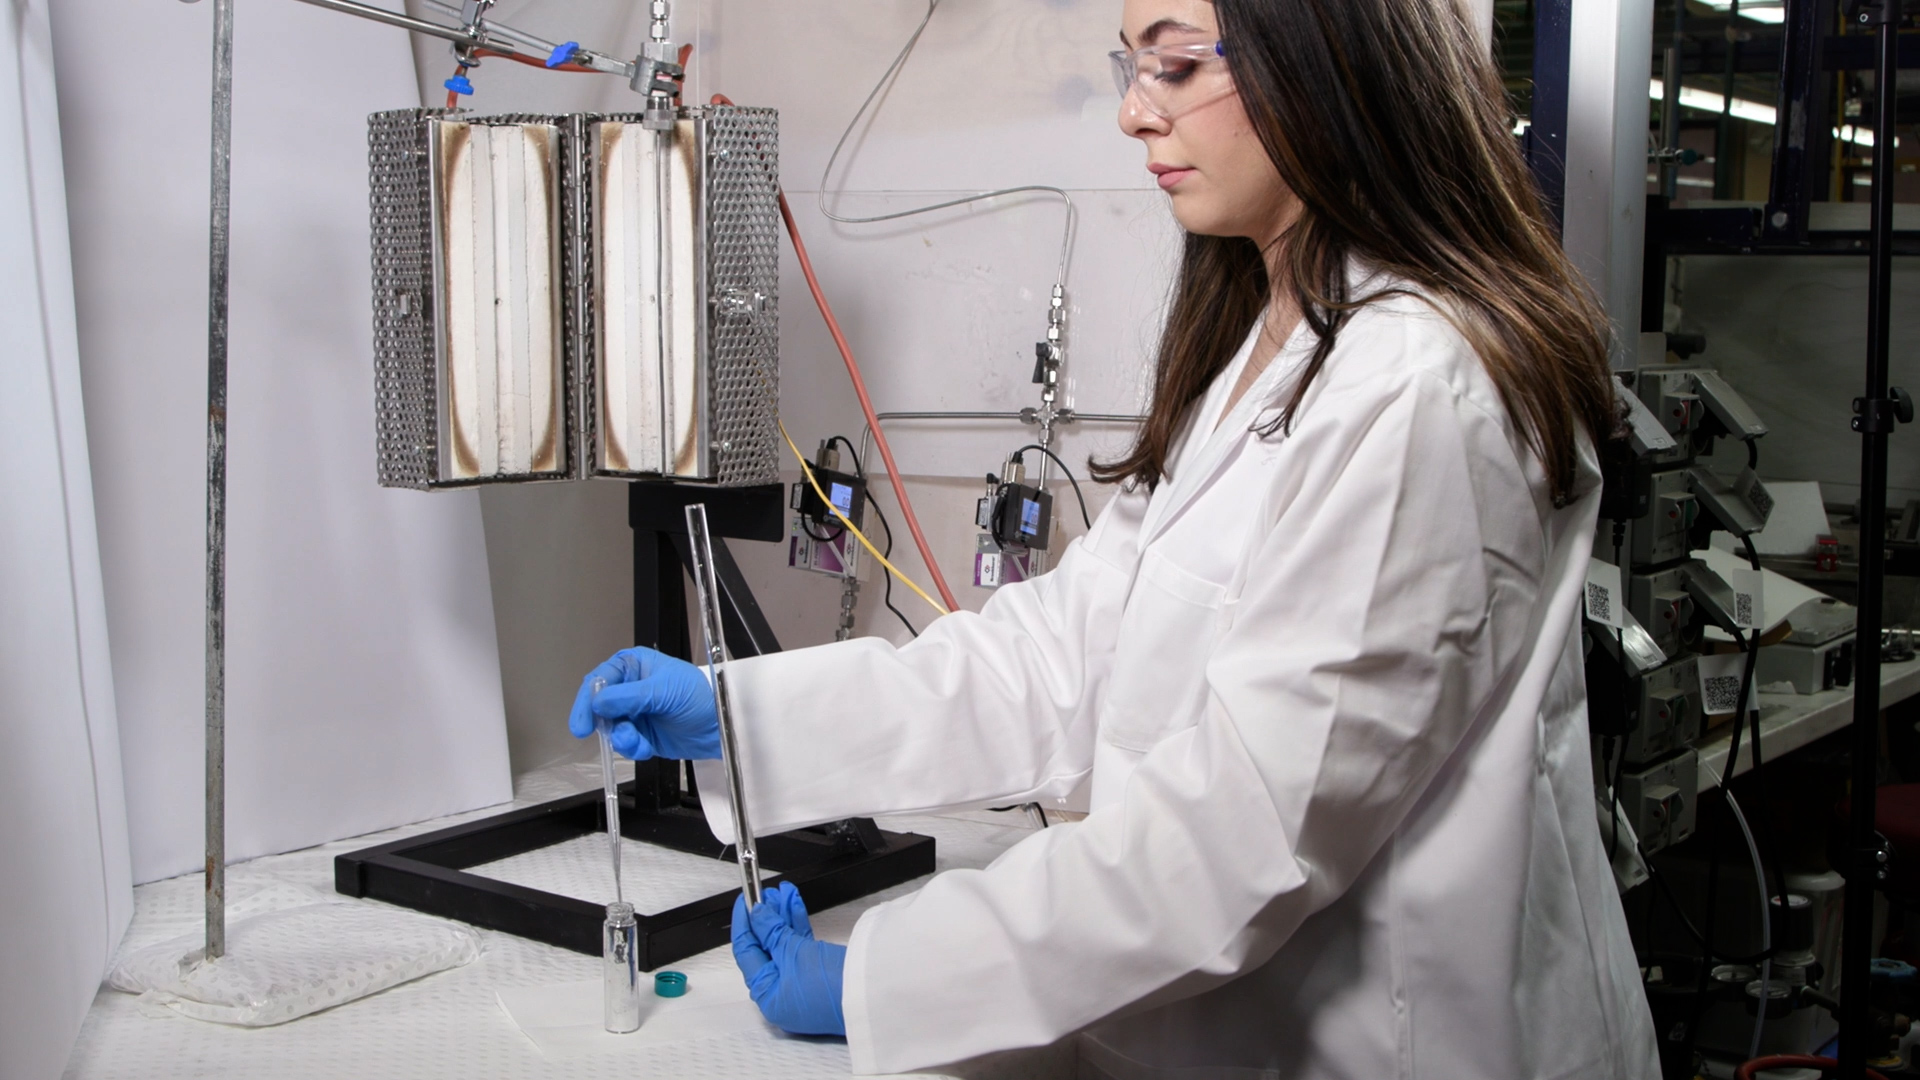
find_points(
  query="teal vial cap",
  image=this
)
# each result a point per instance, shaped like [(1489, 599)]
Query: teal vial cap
[(669, 984)]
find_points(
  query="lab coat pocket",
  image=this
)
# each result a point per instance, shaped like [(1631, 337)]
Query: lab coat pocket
[(1159, 682)]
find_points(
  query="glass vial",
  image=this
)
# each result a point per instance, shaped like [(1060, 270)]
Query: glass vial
[(620, 969)]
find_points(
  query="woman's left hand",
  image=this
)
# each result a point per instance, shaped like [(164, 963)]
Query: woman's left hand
[(794, 978)]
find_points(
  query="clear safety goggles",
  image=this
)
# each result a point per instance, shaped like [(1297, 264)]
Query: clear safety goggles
[(1172, 79)]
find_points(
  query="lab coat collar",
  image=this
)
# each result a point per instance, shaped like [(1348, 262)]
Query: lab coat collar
[(1212, 443)]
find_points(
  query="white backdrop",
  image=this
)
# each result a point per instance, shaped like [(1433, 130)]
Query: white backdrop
[(65, 896), (363, 684)]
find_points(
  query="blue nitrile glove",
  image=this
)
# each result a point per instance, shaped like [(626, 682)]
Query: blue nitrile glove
[(660, 706), (794, 978)]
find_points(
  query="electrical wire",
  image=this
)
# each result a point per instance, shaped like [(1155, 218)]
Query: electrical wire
[(1751, 646), (866, 406), (1082, 499), (860, 470), (806, 469), (1766, 921), (886, 79), (886, 596)]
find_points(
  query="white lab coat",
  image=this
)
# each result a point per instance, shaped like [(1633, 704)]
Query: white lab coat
[(1328, 686)]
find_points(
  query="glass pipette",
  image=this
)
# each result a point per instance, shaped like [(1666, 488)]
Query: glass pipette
[(612, 786)]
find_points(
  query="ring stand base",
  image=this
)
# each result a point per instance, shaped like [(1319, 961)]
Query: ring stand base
[(831, 864)]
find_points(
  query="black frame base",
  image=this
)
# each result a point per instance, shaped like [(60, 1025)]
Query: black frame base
[(832, 863), (429, 873)]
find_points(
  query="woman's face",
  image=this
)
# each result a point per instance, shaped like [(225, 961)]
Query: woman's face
[(1200, 146)]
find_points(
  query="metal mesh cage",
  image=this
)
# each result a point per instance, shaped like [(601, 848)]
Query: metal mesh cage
[(405, 390), (735, 262), (471, 369), (743, 290)]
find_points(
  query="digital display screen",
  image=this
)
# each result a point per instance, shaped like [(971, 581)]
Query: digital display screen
[(1029, 517), (842, 496)]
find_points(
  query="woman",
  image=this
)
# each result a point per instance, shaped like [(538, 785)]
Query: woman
[(1319, 655)]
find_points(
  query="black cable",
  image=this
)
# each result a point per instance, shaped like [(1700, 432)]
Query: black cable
[(1751, 646), (817, 538), (860, 471), (887, 589), (1771, 849), (1084, 518), (851, 453)]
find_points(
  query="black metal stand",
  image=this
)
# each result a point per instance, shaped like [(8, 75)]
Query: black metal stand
[(833, 863), (1875, 415)]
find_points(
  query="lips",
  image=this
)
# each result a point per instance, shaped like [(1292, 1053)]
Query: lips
[(1168, 175)]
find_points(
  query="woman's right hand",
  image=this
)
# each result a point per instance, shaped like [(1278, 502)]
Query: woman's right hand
[(659, 706)]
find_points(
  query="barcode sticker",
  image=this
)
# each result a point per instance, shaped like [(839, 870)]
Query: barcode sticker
[(1754, 494), (1748, 590), (1603, 593), (1720, 684)]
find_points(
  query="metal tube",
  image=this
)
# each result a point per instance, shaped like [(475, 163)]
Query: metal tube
[(707, 585), (1670, 99), (1723, 151), (1065, 416), (455, 34), (1670, 122), (494, 28), (1863, 870), (216, 643)]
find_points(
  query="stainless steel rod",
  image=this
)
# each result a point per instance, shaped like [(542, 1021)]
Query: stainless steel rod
[(1067, 416), (494, 28), (454, 34), (707, 585), (216, 644)]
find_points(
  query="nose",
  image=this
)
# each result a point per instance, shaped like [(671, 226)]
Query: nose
[(1139, 121)]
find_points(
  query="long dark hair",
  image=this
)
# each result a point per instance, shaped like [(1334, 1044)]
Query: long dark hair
[(1387, 120)]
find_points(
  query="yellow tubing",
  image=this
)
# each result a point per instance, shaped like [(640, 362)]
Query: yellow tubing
[(807, 471)]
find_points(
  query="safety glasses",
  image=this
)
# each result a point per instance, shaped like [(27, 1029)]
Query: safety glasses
[(1172, 79)]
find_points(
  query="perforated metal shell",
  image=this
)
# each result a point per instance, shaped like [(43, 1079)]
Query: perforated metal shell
[(740, 279), (405, 391), (743, 292), (410, 419)]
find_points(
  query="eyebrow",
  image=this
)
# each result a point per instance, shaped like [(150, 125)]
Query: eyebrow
[(1152, 33)]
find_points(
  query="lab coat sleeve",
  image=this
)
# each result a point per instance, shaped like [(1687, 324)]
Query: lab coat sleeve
[(988, 707), (1380, 617)]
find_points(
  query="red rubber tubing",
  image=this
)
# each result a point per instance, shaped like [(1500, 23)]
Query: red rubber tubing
[(860, 389), (1747, 1069)]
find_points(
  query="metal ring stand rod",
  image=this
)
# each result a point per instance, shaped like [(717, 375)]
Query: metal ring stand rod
[(1877, 414), (216, 647)]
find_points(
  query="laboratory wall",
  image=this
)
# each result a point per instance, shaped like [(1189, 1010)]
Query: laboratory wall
[(65, 889), (942, 310), (363, 681), (1791, 335)]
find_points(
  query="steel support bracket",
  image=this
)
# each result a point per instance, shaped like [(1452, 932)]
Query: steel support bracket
[(1872, 416)]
